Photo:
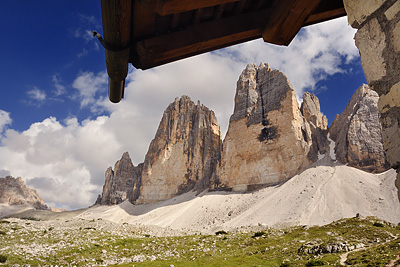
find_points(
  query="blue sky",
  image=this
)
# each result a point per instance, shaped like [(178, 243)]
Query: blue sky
[(59, 132)]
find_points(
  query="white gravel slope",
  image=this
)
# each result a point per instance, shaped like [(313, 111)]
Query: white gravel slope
[(317, 196)]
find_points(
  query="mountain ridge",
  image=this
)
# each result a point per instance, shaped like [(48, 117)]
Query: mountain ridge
[(269, 140)]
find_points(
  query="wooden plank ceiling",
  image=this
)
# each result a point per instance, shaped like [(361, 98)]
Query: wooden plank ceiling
[(163, 31), (167, 30)]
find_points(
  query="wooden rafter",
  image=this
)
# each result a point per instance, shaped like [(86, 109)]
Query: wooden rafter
[(163, 31), (198, 38), (288, 18), (167, 7)]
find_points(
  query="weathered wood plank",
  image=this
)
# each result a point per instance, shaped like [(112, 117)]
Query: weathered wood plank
[(143, 18), (326, 10), (198, 39), (167, 7), (288, 18), (324, 16)]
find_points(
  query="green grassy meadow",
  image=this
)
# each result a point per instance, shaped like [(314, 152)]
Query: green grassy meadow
[(79, 242)]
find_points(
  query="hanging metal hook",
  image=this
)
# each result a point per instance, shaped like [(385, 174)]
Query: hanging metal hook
[(107, 46)]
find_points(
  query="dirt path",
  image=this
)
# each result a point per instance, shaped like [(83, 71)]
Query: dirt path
[(344, 256), (392, 263)]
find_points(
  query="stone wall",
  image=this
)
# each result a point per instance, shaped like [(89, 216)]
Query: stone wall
[(378, 40)]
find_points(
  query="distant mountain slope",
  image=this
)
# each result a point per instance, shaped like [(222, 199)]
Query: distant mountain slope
[(14, 191), (318, 195)]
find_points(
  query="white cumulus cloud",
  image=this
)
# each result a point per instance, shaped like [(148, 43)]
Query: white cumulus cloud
[(5, 120), (36, 94), (91, 88)]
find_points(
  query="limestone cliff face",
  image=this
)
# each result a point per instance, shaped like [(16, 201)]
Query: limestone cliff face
[(358, 133), (122, 183), (184, 154), (318, 124), (268, 138), (14, 191)]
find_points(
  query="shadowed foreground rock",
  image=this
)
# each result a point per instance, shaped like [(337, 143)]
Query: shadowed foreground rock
[(13, 191)]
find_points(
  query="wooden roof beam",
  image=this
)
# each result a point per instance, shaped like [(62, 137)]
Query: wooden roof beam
[(167, 7), (327, 15), (116, 18), (327, 10), (287, 19), (197, 39)]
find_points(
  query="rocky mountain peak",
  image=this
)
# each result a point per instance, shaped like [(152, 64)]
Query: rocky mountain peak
[(358, 133), (184, 153), (268, 139), (260, 89), (14, 191)]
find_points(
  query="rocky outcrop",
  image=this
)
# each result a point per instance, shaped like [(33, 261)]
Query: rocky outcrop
[(268, 139), (358, 133), (184, 154), (121, 183), (14, 191)]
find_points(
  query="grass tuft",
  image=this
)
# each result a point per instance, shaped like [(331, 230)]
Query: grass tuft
[(315, 263), (3, 258)]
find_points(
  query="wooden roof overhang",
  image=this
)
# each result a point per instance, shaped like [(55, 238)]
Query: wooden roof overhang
[(149, 33)]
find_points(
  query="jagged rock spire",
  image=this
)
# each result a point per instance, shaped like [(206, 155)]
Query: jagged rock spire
[(122, 183)]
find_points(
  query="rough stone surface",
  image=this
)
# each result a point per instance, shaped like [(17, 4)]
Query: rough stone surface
[(396, 37), (358, 133), (397, 183), (359, 10), (370, 41), (184, 154), (390, 100), (390, 134), (393, 11), (14, 191), (268, 139), (122, 183)]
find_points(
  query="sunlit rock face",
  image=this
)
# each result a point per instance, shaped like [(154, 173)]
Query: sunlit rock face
[(358, 133), (268, 139), (184, 154), (121, 183), (14, 191)]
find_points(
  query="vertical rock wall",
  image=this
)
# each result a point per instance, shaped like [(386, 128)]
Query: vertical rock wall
[(358, 133), (268, 139), (378, 40), (184, 154)]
